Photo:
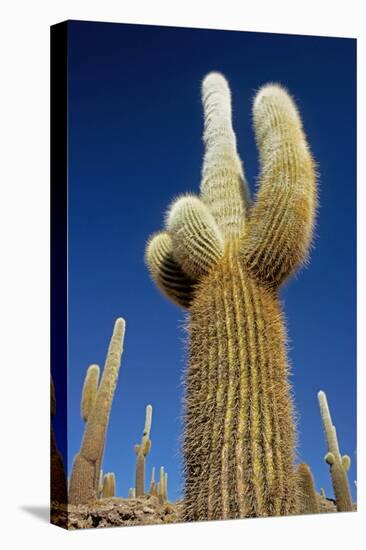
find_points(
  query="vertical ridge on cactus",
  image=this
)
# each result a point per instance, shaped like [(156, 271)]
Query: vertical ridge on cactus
[(308, 500), (239, 440), (84, 481), (142, 451), (338, 465)]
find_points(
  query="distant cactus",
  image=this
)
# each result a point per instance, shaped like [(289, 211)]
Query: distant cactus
[(308, 500), (89, 391), (142, 451), (322, 493), (152, 490), (58, 475), (162, 486), (84, 482), (132, 493), (224, 260), (109, 485), (339, 465)]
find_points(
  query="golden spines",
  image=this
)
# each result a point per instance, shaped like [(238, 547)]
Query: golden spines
[(84, 481), (239, 438), (89, 392), (308, 500), (166, 272), (223, 185), (279, 232), (339, 465), (196, 239)]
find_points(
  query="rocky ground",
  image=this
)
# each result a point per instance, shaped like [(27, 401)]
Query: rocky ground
[(115, 511)]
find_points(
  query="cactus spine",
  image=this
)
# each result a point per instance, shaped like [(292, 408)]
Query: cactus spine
[(339, 465), (142, 451), (224, 260), (308, 500), (84, 482), (109, 485)]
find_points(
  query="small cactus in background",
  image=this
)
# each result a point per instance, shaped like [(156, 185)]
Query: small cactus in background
[(162, 486), (58, 475), (152, 490), (84, 482), (89, 392), (308, 500), (339, 465), (322, 493), (132, 493), (109, 485), (224, 260), (142, 451)]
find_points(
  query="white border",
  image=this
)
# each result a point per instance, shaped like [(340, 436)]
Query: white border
[(24, 299)]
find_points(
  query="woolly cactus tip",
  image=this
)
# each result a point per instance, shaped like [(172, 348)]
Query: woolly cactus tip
[(214, 81), (329, 458), (177, 208), (321, 394), (270, 91), (274, 97)]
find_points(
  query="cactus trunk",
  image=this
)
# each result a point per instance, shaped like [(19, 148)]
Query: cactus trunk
[(239, 439), (84, 482), (338, 465)]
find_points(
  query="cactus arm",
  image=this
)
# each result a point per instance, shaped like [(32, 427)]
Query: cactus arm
[(279, 231), (346, 462), (84, 479), (197, 241), (166, 272), (223, 185), (89, 392)]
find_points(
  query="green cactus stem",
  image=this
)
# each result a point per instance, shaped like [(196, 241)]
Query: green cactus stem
[(84, 482), (223, 259), (142, 451), (339, 465), (308, 500)]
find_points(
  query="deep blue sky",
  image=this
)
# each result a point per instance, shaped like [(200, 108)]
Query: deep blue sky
[(135, 142)]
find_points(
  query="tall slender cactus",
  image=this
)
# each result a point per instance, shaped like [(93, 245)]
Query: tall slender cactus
[(224, 259), (84, 482), (142, 451), (339, 465)]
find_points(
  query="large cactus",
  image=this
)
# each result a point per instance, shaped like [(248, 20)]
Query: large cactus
[(142, 451), (339, 465), (84, 482), (89, 392), (224, 260)]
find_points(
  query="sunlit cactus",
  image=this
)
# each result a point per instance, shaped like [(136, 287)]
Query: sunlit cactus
[(152, 490), (89, 392), (109, 485), (84, 482), (132, 493), (308, 500), (339, 465), (142, 451), (224, 259)]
